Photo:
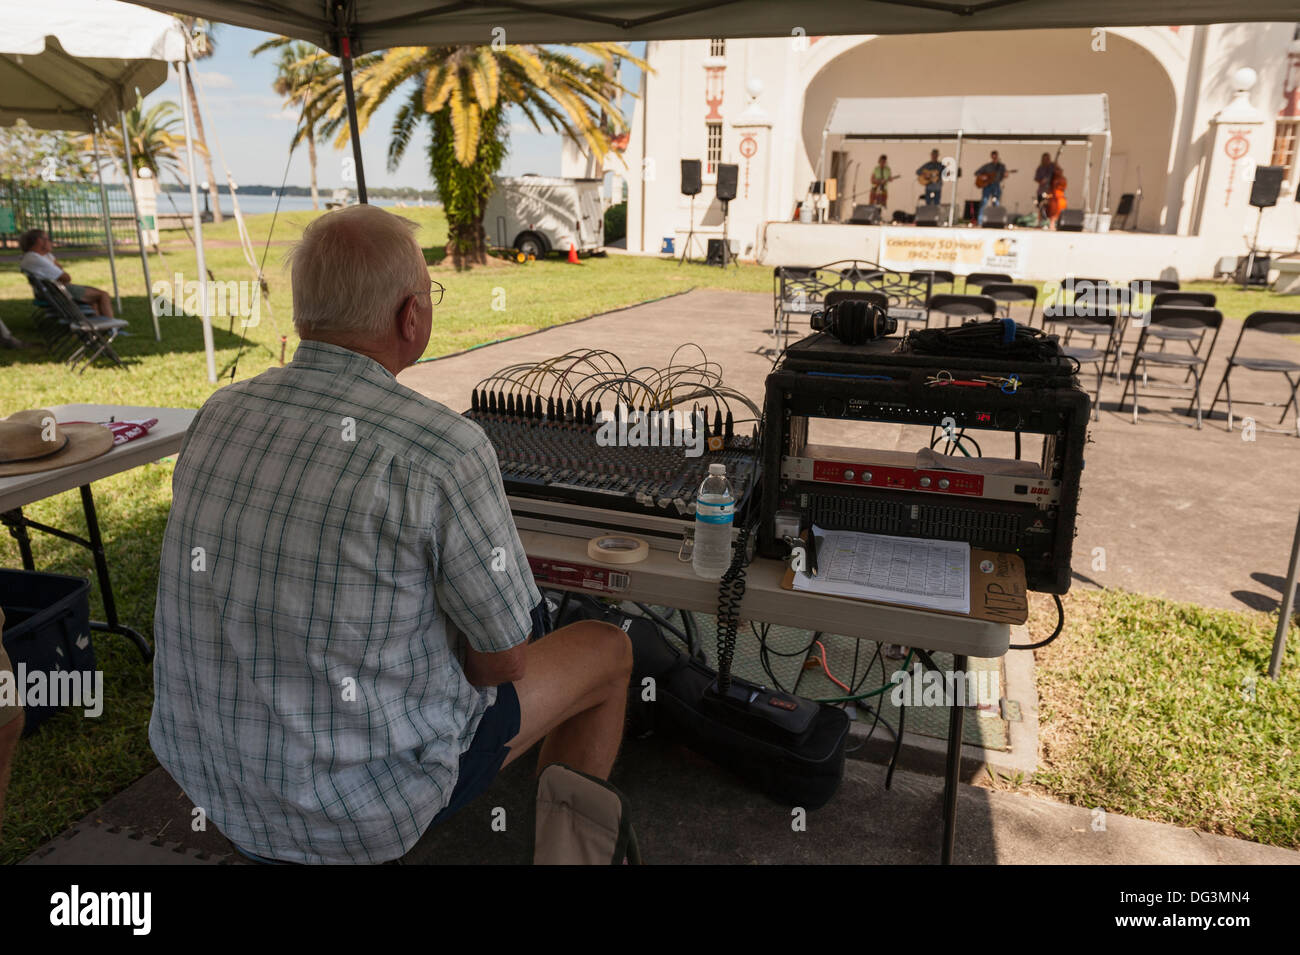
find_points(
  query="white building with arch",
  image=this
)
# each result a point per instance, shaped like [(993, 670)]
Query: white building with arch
[(1184, 132)]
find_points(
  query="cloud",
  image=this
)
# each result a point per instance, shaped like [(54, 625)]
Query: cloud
[(285, 115), (216, 81), (245, 104)]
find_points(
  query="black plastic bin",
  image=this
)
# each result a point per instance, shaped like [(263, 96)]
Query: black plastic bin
[(46, 628)]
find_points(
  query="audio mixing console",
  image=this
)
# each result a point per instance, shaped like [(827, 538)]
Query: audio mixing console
[(555, 454)]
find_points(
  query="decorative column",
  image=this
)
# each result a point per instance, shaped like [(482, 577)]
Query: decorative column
[(753, 131), (1238, 143)]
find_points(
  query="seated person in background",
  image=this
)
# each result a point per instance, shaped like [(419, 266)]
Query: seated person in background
[(343, 601), (38, 259), (11, 725)]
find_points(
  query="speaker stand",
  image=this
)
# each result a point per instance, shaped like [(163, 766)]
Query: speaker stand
[(726, 243), (690, 235)]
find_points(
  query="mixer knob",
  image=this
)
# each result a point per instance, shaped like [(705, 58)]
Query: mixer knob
[(848, 474), (866, 477), (943, 484), (925, 482)]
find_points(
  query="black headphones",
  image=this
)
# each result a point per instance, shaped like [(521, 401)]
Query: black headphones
[(854, 322)]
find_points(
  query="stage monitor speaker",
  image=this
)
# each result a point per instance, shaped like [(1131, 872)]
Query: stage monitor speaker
[(714, 249), (927, 215), (1267, 186), (1070, 220), (1252, 271), (1125, 206), (995, 217), (728, 174), (692, 181), (866, 215), (971, 210)]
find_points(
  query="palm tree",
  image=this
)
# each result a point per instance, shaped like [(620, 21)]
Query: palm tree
[(202, 45), (295, 72), (154, 136), (464, 93)]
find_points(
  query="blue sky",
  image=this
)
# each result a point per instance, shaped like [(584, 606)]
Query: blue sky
[(247, 123)]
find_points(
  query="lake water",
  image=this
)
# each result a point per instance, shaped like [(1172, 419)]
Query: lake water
[(256, 204)]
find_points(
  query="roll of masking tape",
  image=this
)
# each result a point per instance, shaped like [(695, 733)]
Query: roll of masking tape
[(611, 549)]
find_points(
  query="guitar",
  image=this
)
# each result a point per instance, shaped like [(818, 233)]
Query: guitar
[(929, 177), (983, 179), (879, 183)]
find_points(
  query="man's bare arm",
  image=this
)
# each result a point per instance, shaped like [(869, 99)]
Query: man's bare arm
[(493, 669)]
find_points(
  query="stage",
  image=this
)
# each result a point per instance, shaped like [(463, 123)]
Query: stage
[(1032, 254)]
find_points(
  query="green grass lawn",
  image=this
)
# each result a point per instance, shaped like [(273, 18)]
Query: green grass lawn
[(1164, 711), (1223, 767)]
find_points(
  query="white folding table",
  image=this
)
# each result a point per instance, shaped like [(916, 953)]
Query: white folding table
[(17, 492), (663, 579)]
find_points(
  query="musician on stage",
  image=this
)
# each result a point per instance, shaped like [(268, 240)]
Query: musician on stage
[(880, 180), (995, 171), (1047, 171), (930, 175)]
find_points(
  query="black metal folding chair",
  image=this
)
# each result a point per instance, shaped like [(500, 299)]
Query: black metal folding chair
[(964, 307), (1271, 323), (1203, 321), (977, 279), (1008, 295), (936, 276), (1092, 355), (94, 333)]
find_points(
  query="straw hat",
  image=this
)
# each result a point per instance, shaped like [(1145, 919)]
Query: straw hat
[(32, 441)]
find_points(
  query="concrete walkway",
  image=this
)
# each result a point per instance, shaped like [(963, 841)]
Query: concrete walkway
[(1201, 516), (687, 811)]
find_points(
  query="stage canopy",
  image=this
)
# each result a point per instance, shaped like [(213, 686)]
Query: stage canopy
[(376, 24), (970, 117), (63, 63)]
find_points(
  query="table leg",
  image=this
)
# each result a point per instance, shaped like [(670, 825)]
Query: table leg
[(18, 528), (96, 547), (956, 720)]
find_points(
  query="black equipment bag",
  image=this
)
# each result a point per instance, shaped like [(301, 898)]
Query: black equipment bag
[(789, 748)]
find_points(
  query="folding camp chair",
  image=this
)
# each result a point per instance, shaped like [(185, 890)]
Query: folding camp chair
[(1272, 323), (581, 820), (94, 334), (1202, 321)]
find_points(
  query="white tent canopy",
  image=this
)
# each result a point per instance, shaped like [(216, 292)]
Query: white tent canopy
[(971, 117), (376, 24), (64, 63), (78, 65)]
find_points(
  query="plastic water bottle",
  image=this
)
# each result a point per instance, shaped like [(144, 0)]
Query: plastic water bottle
[(715, 509)]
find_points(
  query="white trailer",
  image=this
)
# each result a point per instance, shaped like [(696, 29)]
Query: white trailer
[(540, 214)]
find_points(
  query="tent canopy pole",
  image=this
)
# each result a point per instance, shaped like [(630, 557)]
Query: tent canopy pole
[(135, 214), (350, 96), (208, 346), (103, 206)]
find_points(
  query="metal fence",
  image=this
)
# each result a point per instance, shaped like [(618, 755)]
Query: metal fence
[(69, 211)]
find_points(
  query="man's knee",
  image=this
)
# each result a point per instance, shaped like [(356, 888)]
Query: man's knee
[(614, 647)]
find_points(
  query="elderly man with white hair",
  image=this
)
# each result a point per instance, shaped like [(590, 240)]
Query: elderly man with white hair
[(344, 606)]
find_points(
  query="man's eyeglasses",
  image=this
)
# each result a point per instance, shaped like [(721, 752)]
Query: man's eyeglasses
[(435, 294)]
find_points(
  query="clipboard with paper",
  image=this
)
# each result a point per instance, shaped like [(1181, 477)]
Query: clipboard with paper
[(947, 577)]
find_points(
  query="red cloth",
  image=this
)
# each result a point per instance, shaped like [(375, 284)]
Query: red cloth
[(123, 431)]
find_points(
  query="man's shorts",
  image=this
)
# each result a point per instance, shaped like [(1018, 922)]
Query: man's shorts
[(78, 292)]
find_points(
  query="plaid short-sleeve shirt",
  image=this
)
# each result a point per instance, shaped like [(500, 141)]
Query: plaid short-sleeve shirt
[(328, 527)]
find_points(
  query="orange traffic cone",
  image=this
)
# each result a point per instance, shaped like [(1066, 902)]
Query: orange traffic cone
[(573, 255)]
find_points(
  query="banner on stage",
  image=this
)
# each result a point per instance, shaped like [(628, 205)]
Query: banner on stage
[(966, 251)]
